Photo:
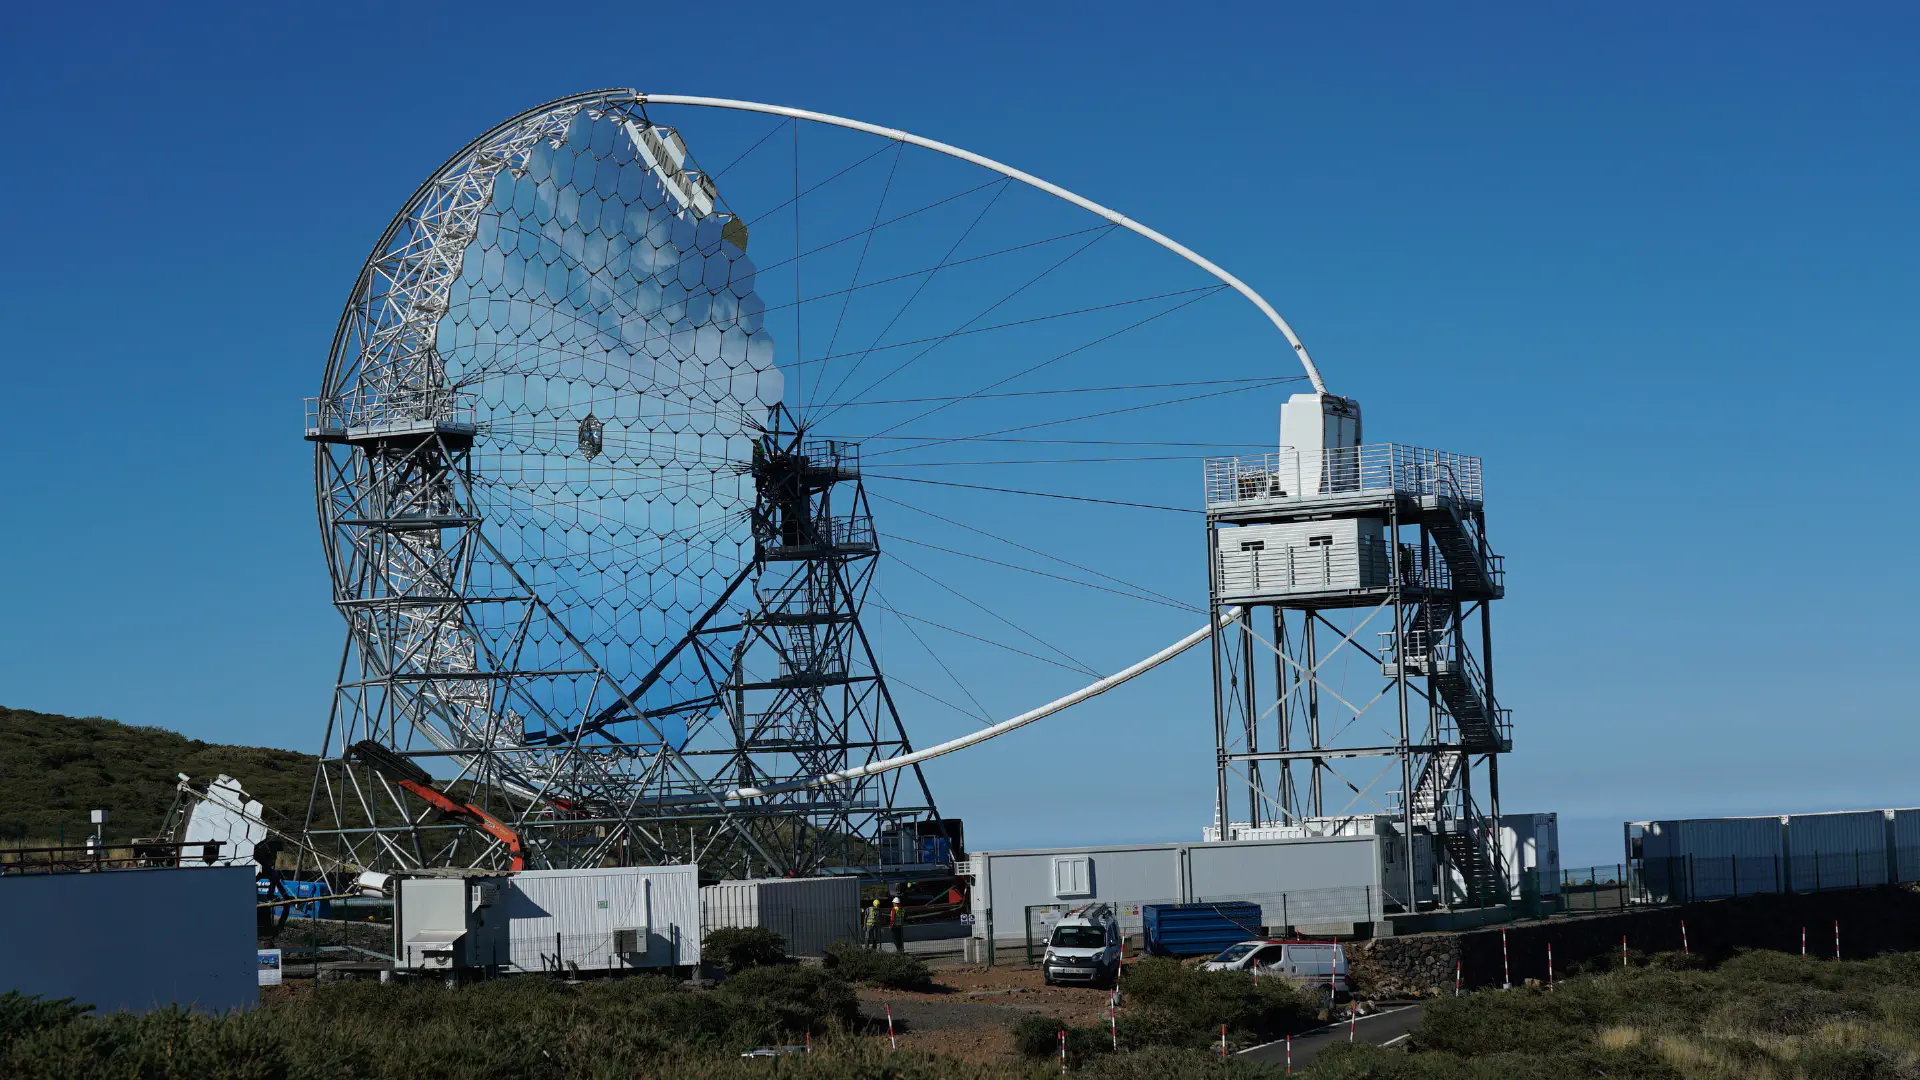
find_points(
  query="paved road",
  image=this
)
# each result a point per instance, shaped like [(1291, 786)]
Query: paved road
[(1386, 1026)]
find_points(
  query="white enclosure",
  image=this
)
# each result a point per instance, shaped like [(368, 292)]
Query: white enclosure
[(810, 913), (1301, 557), (450, 923), (132, 940), (605, 919)]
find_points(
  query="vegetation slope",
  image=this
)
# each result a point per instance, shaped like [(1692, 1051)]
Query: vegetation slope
[(56, 768)]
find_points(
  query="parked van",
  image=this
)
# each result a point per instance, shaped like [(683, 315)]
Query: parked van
[(1306, 963), (1083, 948)]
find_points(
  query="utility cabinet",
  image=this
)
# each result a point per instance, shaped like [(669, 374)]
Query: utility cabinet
[(449, 925)]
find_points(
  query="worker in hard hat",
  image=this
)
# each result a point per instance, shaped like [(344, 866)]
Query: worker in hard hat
[(873, 924), (899, 923)]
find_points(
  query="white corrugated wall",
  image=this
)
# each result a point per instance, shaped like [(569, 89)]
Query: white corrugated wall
[(562, 919)]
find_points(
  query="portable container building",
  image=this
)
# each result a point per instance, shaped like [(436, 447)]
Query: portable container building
[(1315, 881), (1708, 858), (132, 940), (1200, 929), (1837, 851), (1903, 837), (605, 919), (810, 913)]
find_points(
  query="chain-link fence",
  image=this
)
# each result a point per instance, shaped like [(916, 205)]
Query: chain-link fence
[(1280, 913)]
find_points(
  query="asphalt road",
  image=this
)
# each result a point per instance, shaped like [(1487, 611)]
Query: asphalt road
[(1387, 1026)]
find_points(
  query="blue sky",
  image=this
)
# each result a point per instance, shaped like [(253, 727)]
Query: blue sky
[(1656, 266)]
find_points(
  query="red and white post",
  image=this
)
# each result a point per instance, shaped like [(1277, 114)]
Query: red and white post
[(1836, 939), (1549, 965), (1623, 950), (1456, 978), (1113, 1024), (1506, 966), (895, 1043), (1803, 941), (1063, 1053), (1353, 1017), (1289, 1055), (1685, 949), (1223, 1042)]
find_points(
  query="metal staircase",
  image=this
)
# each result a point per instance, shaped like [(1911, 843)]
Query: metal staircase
[(1468, 856), (1431, 653)]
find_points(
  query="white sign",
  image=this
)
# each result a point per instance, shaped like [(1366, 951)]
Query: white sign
[(269, 967)]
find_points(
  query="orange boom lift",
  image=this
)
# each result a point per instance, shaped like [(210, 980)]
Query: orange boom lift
[(413, 778)]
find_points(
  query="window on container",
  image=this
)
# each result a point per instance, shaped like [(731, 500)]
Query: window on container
[(1319, 541), (1253, 545), (1072, 876)]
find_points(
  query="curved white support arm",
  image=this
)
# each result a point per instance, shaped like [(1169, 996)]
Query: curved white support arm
[(1194, 257), (916, 757)]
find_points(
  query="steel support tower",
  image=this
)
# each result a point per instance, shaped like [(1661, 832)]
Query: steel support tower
[(793, 689), (1356, 679)]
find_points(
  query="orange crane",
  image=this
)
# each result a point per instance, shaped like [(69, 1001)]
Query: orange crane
[(413, 778)]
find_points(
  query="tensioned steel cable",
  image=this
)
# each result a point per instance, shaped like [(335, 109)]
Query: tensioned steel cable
[(918, 289), (989, 309), (915, 634), (1152, 599), (1035, 551), (866, 246), (1009, 623)]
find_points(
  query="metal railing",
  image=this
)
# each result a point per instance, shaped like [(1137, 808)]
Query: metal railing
[(362, 408), (1379, 468)]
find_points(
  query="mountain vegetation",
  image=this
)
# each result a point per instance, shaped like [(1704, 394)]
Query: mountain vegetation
[(57, 768)]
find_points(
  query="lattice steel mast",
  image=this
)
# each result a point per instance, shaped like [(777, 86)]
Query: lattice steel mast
[(1327, 546)]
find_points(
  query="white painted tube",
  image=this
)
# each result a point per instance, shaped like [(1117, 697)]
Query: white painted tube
[(1187, 253), (1091, 690)]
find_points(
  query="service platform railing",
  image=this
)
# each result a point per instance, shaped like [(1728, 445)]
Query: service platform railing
[(365, 408), (1253, 481)]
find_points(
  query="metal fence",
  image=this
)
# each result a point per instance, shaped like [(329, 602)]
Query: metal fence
[(1280, 912), (1683, 879)]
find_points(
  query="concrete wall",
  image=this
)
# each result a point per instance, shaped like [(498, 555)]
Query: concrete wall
[(132, 940)]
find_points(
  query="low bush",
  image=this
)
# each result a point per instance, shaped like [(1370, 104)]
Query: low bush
[(1174, 1004), (896, 971), (737, 948), (23, 1014), (1037, 1036)]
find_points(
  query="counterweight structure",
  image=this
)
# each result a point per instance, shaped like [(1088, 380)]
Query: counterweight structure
[(1356, 683)]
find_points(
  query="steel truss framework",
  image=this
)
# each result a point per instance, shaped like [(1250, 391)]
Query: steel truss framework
[(1302, 741), (508, 669)]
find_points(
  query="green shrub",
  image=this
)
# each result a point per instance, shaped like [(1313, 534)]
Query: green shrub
[(23, 1014), (795, 999), (1168, 997), (896, 971), (737, 948)]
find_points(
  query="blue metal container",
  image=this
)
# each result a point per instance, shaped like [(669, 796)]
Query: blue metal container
[(1199, 929), (290, 889)]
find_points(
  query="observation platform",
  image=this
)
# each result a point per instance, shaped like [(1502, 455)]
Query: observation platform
[(411, 416), (1294, 483)]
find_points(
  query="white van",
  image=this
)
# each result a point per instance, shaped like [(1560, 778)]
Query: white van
[(1305, 963), (1083, 948)]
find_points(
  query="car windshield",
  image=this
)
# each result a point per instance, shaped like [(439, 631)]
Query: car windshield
[(1236, 952), (1078, 937)]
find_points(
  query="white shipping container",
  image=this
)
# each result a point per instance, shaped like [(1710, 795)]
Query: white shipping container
[(1843, 850), (605, 919), (1531, 842), (810, 913), (1709, 858)]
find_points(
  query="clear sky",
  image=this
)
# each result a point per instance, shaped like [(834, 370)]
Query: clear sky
[(1656, 263)]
